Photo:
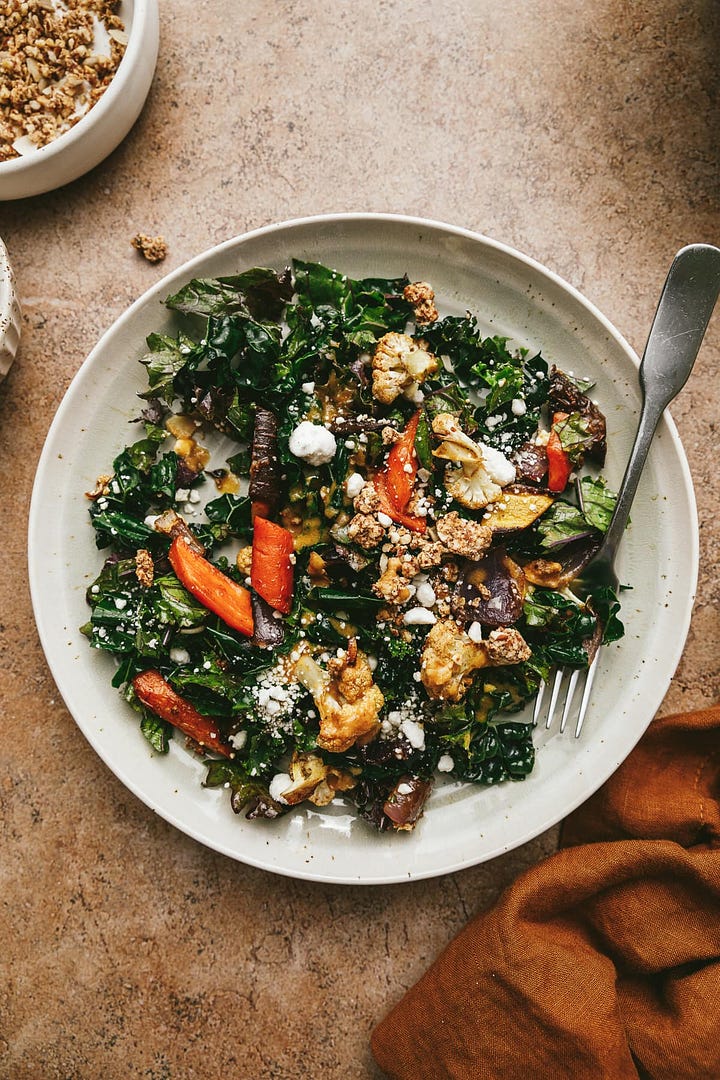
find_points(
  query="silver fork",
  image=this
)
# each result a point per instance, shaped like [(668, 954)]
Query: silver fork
[(683, 312)]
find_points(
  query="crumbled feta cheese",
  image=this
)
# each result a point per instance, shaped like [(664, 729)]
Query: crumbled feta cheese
[(418, 616), (354, 485), (404, 789), (384, 520), (308, 388), (445, 764), (120, 603), (238, 740), (95, 589), (519, 408), (194, 496), (497, 466), (178, 655), (279, 783), (150, 520), (425, 595), (312, 443), (475, 632), (414, 733), (182, 495)]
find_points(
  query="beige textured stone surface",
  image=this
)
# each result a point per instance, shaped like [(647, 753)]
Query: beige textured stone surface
[(584, 134)]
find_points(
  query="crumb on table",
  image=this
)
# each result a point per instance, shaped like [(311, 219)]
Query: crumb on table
[(152, 248)]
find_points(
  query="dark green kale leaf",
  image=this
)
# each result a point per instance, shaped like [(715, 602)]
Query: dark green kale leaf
[(561, 523), (485, 752), (597, 502), (557, 627), (258, 293), (244, 789), (605, 604), (122, 531), (234, 511), (157, 732), (166, 359)]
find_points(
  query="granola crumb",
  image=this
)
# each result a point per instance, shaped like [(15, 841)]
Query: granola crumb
[(152, 248), (56, 61), (144, 567)]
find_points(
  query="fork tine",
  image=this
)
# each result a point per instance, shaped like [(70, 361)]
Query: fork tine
[(554, 696), (569, 697), (591, 673), (538, 701)]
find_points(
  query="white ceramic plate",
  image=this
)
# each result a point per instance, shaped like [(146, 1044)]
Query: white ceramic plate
[(463, 824)]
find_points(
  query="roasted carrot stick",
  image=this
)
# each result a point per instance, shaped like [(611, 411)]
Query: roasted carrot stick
[(402, 466), (157, 694), (211, 587), (271, 573)]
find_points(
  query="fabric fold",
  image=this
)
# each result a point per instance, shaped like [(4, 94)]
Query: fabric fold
[(604, 959)]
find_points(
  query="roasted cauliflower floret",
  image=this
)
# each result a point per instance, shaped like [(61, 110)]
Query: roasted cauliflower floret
[(346, 698), (449, 658), (478, 473), (463, 537), (399, 365), (314, 780), (422, 297), (393, 585), (365, 530)]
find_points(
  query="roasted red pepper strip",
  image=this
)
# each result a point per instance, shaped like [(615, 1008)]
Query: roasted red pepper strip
[(158, 695), (211, 587), (410, 521), (559, 463), (271, 572), (402, 466)]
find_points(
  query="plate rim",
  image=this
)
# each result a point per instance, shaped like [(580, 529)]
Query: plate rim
[(185, 270)]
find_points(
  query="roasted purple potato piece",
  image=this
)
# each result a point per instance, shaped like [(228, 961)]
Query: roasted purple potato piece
[(531, 463), (404, 805), (490, 592)]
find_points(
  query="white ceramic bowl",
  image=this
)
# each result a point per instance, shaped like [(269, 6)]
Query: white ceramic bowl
[(9, 314), (105, 126)]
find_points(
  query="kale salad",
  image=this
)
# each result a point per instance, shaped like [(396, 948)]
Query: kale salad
[(363, 587)]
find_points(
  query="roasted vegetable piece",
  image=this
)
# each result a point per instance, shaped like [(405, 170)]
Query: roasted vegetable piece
[(271, 573), (490, 592), (171, 524), (264, 490), (402, 466), (211, 587), (567, 398), (157, 694), (572, 560), (518, 508), (269, 629), (559, 463), (530, 461), (404, 805), (410, 521)]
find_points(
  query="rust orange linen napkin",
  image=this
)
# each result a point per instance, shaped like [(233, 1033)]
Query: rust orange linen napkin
[(603, 961)]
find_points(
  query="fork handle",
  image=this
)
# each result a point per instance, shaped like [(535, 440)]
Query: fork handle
[(683, 312)]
